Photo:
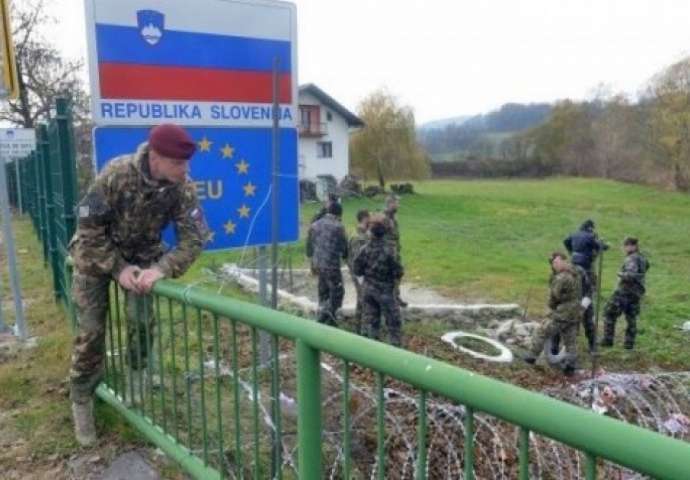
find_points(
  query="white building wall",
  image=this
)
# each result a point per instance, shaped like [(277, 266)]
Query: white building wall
[(310, 166)]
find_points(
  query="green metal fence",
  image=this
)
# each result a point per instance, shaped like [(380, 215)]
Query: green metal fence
[(328, 404), (48, 187), (207, 401)]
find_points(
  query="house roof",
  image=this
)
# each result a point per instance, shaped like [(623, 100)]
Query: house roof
[(352, 119)]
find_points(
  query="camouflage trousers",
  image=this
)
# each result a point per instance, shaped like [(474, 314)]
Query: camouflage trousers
[(377, 302), (565, 329), (331, 294), (622, 302), (91, 300)]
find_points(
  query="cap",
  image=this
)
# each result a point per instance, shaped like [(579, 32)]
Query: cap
[(172, 141)]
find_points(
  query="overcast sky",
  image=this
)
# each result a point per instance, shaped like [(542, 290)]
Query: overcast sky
[(455, 57)]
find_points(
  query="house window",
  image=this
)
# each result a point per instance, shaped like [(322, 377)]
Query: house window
[(324, 150), (329, 116)]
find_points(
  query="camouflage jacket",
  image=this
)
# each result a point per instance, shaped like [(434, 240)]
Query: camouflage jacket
[(631, 277), (327, 243), (377, 262), (393, 231), (357, 241), (121, 218), (565, 295)]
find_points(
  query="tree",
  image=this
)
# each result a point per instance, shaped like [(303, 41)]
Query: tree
[(670, 122), (43, 72), (387, 146)]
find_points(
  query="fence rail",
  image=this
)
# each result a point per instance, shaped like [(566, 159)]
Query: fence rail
[(212, 398)]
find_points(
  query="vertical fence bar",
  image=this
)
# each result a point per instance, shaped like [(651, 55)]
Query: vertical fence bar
[(524, 454), (275, 394), (380, 427), (421, 438), (118, 329), (148, 324), (219, 411), (67, 163), (161, 365), (187, 376), (202, 383), (590, 466), (236, 394), (255, 402), (469, 443), (346, 420), (173, 371), (113, 377), (141, 403), (309, 407)]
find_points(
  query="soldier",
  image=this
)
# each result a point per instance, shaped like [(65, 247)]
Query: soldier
[(626, 299), (357, 241), (326, 246), (330, 199), (119, 237), (565, 312), (378, 263), (393, 235), (584, 246)]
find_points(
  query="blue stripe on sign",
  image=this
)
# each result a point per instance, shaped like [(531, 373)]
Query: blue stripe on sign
[(118, 44)]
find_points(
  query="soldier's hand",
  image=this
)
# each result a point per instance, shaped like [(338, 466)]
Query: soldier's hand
[(147, 278), (128, 278)]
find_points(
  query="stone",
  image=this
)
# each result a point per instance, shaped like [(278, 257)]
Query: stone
[(130, 465), (504, 329)]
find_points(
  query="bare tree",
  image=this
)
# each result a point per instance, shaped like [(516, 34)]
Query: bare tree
[(43, 72)]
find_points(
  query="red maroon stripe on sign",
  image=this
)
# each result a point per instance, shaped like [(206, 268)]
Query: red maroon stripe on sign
[(145, 82)]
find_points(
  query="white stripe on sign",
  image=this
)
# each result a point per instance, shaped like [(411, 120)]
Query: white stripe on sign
[(256, 19)]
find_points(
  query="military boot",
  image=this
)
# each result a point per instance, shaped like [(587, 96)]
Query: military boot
[(84, 426)]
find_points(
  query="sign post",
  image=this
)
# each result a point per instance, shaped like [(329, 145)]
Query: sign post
[(9, 89)]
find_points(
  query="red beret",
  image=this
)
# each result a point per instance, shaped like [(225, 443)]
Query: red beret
[(172, 141)]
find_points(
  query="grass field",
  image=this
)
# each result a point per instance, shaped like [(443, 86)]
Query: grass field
[(489, 241)]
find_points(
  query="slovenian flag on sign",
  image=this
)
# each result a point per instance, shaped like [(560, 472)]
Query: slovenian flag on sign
[(151, 57)]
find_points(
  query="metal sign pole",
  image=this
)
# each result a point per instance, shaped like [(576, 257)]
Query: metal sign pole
[(19, 186), (275, 182), (11, 257)]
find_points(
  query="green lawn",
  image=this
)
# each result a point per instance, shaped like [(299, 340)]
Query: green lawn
[(489, 241)]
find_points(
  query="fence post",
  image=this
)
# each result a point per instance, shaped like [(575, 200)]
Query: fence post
[(68, 168), (43, 147), (309, 405)]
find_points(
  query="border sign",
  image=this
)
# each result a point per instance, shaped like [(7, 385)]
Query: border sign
[(208, 65), (206, 62), (10, 81)]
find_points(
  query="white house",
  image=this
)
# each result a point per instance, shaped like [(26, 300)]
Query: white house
[(324, 134)]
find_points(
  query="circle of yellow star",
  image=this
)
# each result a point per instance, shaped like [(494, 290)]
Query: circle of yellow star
[(249, 189), (229, 227), (244, 211), (211, 237), (205, 145), (227, 151), (242, 167)]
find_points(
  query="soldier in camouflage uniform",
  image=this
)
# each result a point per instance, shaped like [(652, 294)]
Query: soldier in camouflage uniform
[(378, 263), (357, 241), (119, 237), (585, 246), (626, 299), (393, 236), (326, 247), (565, 313)]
